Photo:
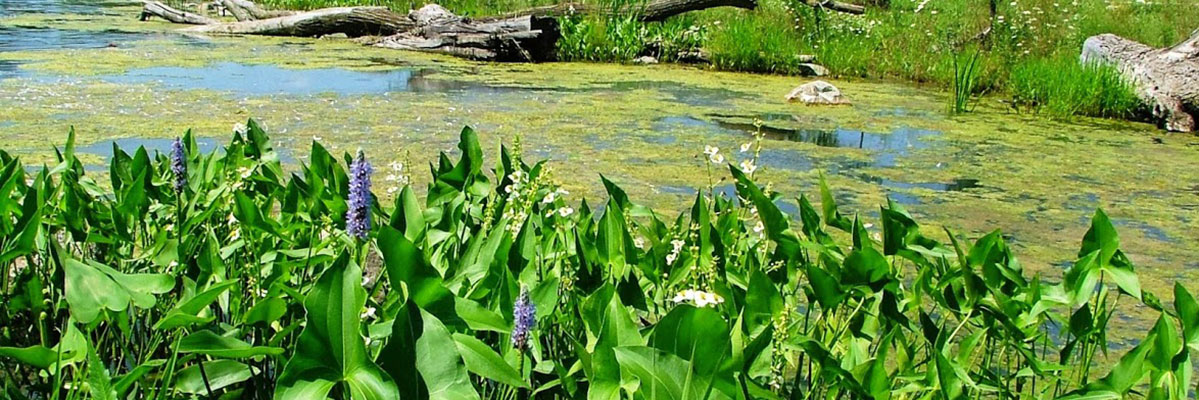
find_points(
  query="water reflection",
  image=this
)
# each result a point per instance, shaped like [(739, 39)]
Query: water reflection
[(104, 148), (23, 38)]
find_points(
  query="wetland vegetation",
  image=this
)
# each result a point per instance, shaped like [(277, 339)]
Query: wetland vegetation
[(599, 228), (220, 274)]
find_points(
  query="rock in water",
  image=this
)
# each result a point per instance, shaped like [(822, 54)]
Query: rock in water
[(810, 69), (817, 92)]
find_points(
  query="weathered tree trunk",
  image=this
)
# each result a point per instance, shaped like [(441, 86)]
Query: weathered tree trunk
[(152, 8), (836, 6), (245, 10), (524, 38), (1166, 79), (352, 21), (655, 10), (529, 36)]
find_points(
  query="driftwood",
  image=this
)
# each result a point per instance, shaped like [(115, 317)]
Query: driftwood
[(836, 6), (529, 36), (156, 9), (524, 38), (245, 10), (352, 21), (656, 10), (1166, 79)]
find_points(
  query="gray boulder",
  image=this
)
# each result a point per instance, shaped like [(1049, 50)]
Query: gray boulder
[(817, 92)]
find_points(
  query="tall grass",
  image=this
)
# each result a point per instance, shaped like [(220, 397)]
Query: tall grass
[(965, 80), (1062, 87)]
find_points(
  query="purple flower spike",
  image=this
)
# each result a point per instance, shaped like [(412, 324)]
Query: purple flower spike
[(358, 218), (524, 313), (179, 165)]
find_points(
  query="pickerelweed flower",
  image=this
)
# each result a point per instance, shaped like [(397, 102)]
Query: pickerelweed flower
[(524, 313), (179, 165), (358, 218)]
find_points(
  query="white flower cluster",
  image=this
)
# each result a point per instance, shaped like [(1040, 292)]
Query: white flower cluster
[(396, 177), (519, 179), (713, 154), (698, 297), (674, 253)]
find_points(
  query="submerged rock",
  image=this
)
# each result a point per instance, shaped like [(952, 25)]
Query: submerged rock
[(810, 69), (817, 92)]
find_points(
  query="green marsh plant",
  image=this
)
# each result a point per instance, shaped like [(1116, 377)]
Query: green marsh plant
[(229, 275)]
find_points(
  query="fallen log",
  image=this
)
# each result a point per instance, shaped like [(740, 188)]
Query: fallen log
[(530, 36), (352, 21), (836, 6), (245, 10), (656, 10), (152, 8), (1166, 79), (525, 38)]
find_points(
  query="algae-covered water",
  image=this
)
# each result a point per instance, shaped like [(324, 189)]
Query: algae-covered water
[(93, 66)]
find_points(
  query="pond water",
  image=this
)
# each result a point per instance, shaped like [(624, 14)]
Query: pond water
[(94, 67)]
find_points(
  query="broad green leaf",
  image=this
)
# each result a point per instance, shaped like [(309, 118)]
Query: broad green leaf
[(221, 374), (37, 356), (209, 343), (442, 368), (331, 349), (93, 288), (187, 312), (485, 362)]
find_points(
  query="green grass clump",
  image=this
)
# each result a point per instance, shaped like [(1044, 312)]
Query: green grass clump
[(1062, 87), (228, 275)]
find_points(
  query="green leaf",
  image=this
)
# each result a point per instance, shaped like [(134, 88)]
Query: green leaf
[(37, 356), (763, 302), (1188, 315), (485, 362), (440, 364), (221, 374), (92, 288), (698, 335), (331, 350), (209, 343), (662, 375), (407, 266), (187, 312)]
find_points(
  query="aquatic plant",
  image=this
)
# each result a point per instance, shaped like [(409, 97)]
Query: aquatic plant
[(524, 314), (965, 81), (179, 165), (113, 291), (358, 217)]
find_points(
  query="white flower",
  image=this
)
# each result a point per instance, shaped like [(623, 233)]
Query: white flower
[(678, 245), (670, 258), (711, 150), (565, 211), (639, 242), (369, 313), (549, 198), (746, 146), (748, 166), (316, 138), (700, 298), (759, 227), (716, 159), (244, 172)]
